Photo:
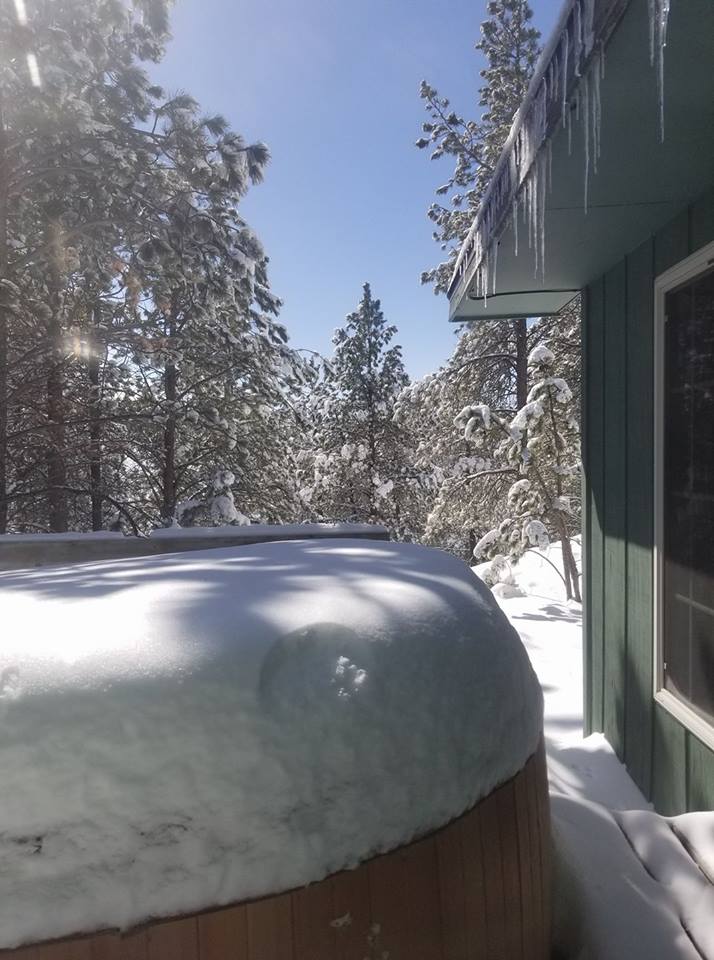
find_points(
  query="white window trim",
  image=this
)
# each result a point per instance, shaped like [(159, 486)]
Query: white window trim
[(676, 275)]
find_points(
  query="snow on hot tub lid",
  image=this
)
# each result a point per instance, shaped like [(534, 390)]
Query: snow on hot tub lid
[(184, 731)]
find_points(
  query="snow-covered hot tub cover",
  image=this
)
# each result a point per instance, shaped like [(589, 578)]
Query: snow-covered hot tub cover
[(184, 731)]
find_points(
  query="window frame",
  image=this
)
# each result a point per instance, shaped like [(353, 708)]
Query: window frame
[(688, 269)]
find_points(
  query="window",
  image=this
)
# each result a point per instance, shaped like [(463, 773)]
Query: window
[(685, 475)]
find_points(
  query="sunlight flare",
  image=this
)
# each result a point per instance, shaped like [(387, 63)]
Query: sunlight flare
[(34, 69)]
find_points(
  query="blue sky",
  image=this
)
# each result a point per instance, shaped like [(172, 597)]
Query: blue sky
[(333, 88)]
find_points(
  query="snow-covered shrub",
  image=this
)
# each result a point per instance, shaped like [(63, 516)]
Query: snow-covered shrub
[(539, 450), (216, 509)]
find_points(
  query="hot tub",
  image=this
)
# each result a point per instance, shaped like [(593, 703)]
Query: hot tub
[(296, 750)]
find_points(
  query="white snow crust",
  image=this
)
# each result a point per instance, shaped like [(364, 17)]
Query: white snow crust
[(188, 730)]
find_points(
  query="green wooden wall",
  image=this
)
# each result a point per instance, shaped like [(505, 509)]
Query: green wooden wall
[(671, 766)]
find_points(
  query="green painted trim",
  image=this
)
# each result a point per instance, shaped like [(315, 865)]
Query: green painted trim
[(595, 432), (615, 482), (639, 515), (585, 494)]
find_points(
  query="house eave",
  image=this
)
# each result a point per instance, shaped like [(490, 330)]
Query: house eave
[(638, 182)]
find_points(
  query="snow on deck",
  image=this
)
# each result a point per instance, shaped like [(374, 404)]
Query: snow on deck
[(184, 731), (629, 883)]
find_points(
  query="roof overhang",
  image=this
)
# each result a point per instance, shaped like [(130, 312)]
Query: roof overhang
[(638, 183)]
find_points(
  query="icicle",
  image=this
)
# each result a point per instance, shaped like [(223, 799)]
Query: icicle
[(586, 136), (564, 82), (534, 212), (531, 211), (662, 22), (550, 166), (536, 215), (570, 129), (588, 35), (597, 112), (602, 59), (541, 173), (658, 19), (494, 268), (515, 225), (513, 169), (577, 37)]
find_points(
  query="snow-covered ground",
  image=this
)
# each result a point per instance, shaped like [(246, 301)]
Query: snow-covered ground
[(188, 730), (626, 885)]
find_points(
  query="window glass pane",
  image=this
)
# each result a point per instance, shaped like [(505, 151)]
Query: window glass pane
[(689, 494)]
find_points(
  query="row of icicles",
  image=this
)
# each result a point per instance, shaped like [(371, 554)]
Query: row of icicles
[(523, 182)]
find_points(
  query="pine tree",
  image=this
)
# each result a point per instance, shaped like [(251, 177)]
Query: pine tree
[(484, 365), (510, 46), (140, 351), (538, 453), (358, 458), (72, 99)]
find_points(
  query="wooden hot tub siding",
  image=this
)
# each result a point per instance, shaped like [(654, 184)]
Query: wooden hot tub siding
[(477, 889)]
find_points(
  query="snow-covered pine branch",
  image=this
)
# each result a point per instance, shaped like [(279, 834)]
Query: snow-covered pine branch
[(541, 445)]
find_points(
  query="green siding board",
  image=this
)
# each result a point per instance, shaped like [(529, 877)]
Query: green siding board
[(672, 242), (700, 775), (614, 525), (639, 519), (701, 223), (669, 764), (594, 460), (672, 767)]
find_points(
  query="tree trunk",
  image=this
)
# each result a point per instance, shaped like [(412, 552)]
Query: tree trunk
[(95, 431), (472, 543), (521, 362), (570, 568), (168, 486), (569, 559), (4, 319), (56, 437), (3, 407)]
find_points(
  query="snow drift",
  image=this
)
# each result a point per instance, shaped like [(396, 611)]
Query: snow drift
[(183, 731)]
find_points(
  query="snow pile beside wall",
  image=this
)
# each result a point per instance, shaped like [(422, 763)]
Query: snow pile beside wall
[(189, 730)]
